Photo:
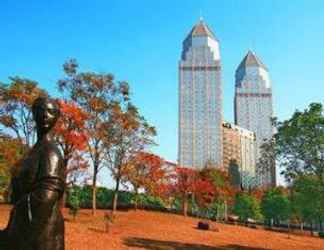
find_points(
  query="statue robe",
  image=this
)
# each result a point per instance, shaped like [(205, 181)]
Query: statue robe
[(36, 222)]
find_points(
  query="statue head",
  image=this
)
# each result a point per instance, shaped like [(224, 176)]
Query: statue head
[(45, 112)]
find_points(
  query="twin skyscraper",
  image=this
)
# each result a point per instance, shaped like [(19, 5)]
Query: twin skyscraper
[(201, 123)]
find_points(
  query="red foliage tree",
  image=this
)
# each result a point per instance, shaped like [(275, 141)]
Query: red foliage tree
[(184, 184), (214, 186), (220, 180), (97, 94), (204, 193), (257, 193), (145, 171), (70, 135), (128, 133), (69, 130)]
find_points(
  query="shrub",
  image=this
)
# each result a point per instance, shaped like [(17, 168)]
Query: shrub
[(85, 197), (176, 204), (125, 199), (74, 201), (321, 234), (104, 197), (151, 202)]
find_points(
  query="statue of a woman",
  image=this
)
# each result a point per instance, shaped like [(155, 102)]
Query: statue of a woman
[(36, 222)]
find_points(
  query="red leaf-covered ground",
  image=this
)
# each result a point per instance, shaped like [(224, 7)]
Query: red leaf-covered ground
[(161, 231)]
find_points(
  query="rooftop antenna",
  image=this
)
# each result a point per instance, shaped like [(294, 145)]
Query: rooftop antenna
[(201, 16), (252, 45)]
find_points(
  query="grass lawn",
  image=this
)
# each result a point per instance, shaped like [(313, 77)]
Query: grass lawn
[(160, 231)]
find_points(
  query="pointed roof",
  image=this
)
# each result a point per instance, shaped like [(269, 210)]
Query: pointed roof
[(251, 60), (201, 29)]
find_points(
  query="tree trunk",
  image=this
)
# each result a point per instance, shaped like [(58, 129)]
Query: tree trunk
[(185, 205), (320, 224), (115, 197), (136, 199), (217, 212), (94, 189), (288, 229), (225, 211)]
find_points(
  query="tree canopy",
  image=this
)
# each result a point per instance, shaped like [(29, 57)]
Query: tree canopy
[(275, 205), (16, 99), (300, 143), (246, 206)]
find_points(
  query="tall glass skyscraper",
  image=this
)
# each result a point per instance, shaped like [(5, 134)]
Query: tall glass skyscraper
[(253, 106), (200, 99)]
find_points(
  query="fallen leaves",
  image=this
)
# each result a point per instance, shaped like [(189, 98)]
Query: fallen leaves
[(161, 231)]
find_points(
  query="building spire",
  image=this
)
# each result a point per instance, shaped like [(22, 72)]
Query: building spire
[(251, 60), (201, 29)]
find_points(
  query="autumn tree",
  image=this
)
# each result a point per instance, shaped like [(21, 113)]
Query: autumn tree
[(184, 184), (129, 133), (11, 151), (16, 124), (217, 186), (145, 171), (96, 94), (205, 193), (16, 99), (70, 130), (70, 135)]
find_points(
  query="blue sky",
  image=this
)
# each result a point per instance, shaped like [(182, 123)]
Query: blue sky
[(140, 42)]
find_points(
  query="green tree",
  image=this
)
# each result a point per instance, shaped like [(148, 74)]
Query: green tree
[(300, 143), (246, 206), (275, 206), (308, 199)]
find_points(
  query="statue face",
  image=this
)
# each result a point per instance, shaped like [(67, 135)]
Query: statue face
[(46, 116)]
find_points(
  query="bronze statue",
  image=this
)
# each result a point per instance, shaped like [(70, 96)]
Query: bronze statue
[(36, 222)]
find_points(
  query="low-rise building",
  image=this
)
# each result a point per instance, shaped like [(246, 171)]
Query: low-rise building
[(239, 147)]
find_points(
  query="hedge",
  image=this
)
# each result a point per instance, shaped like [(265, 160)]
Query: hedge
[(321, 234), (104, 198)]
